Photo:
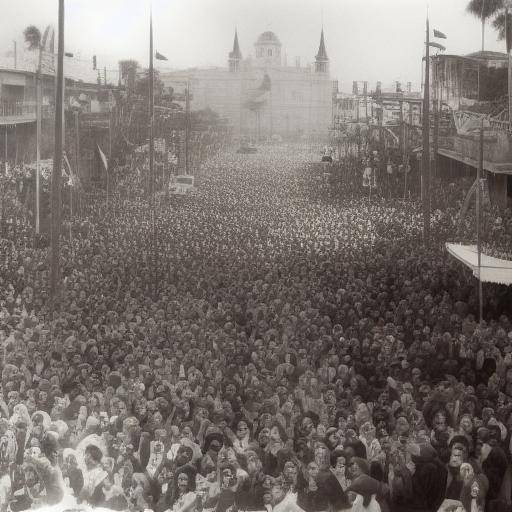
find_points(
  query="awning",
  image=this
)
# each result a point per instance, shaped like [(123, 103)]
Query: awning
[(492, 270), (496, 168)]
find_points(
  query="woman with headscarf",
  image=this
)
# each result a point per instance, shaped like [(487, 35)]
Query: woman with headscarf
[(335, 485), (425, 480), (222, 495), (113, 495), (185, 497), (21, 421), (48, 469), (163, 485), (212, 445), (311, 497), (366, 489), (139, 492), (73, 475), (242, 429)]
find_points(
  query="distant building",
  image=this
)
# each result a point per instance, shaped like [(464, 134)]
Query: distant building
[(91, 102), (263, 96), (470, 88)]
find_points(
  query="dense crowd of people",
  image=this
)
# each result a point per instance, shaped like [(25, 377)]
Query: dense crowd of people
[(260, 345)]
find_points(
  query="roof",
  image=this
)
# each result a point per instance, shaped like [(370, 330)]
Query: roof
[(322, 54), (268, 37), (487, 55)]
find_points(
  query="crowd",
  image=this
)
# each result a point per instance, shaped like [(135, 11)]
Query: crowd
[(256, 346)]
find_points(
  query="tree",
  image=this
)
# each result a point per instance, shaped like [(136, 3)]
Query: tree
[(32, 37), (502, 22), (142, 85), (484, 9)]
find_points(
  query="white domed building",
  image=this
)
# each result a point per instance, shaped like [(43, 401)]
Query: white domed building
[(262, 95)]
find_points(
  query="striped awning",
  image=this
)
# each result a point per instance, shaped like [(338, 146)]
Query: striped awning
[(492, 270)]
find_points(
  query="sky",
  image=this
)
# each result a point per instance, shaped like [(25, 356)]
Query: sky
[(365, 39)]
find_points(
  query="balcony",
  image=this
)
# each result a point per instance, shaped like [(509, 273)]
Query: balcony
[(17, 112), (463, 145)]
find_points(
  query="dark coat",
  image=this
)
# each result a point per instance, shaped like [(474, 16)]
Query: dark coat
[(334, 494)]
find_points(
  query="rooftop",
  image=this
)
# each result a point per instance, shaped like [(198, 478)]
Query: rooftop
[(487, 55)]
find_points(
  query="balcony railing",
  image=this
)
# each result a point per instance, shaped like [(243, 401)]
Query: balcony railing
[(10, 108), (22, 111)]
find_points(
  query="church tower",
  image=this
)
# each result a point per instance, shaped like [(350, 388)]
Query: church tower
[(235, 56), (321, 59), (268, 50)]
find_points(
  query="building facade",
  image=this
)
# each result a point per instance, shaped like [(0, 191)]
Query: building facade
[(262, 96)]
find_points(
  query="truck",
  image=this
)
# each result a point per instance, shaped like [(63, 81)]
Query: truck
[(182, 185)]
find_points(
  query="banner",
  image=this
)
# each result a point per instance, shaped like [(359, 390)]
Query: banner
[(103, 158)]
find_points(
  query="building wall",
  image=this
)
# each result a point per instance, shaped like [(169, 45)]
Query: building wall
[(299, 102)]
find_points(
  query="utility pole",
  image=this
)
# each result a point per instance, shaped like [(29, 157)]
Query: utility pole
[(38, 141), (436, 115), (57, 164), (479, 218), (152, 187), (187, 124), (77, 148), (365, 91), (425, 168)]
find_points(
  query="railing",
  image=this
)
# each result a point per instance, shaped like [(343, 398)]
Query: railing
[(24, 110), (9, 108)]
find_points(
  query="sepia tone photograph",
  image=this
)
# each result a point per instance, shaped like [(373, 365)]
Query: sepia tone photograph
[(256, 255)]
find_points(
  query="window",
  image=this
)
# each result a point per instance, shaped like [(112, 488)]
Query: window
[(270, 53)]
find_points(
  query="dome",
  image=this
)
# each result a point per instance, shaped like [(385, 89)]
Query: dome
[(268, 38)]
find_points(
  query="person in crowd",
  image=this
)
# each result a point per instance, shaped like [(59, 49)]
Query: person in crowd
[(276, 345)]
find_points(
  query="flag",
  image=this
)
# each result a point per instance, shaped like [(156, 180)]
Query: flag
[(103, 158), (159, 56), (438, 34), (437, 45)]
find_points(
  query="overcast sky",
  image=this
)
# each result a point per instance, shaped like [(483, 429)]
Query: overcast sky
[(365, 39)]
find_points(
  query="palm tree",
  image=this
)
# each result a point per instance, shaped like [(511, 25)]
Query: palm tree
[(502, 23), (484, 9)]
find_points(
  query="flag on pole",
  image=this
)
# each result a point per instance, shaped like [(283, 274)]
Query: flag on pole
[(437, 45), (103, 158), (159, 56), (439, 35)]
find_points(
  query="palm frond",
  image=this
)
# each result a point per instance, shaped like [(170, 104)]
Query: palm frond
[(484, 9), (32, 36), (501, 24)]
